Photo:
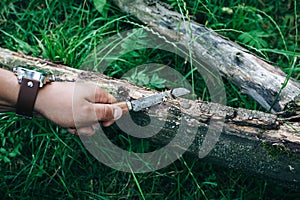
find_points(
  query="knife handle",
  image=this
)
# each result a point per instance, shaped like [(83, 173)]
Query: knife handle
[(123, 105)]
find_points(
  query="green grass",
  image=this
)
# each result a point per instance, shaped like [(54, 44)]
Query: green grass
[(41, 160)]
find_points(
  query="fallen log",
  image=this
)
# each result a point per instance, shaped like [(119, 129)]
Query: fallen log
[(255, 142), (255, 77)]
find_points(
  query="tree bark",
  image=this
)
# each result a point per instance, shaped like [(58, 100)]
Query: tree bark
[(252, 141), (255, 77)]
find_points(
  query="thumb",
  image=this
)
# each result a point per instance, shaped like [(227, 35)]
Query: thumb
[(108, 112)]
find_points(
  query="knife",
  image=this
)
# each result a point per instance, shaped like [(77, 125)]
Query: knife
[(146, 102)]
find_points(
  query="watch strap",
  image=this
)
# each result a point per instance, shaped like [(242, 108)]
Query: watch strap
[(27, 96)]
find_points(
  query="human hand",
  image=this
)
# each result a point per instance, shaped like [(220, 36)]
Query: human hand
[(55, 102)]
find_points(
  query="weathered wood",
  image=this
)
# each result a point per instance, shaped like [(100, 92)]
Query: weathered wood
[(252, 75), (251, 141)]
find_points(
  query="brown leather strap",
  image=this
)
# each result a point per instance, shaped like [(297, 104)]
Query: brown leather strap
[(27, 96)]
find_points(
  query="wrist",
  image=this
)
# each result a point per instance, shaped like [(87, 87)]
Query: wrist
[(45, 97), (53, 96), (21, 87), (9, 88)]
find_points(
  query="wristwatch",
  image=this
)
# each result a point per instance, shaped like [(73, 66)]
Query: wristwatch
[(31, 81)]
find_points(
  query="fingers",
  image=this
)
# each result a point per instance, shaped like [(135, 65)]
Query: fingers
[(94, 93), (72, 131), (101, 96), (88, 131), (96, 103), (107, 113), (108, 123)]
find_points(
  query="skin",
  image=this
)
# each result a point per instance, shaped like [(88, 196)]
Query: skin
[(65, 103)]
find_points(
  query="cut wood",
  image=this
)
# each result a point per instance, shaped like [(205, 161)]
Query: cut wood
[(255, 77), (251, 141)]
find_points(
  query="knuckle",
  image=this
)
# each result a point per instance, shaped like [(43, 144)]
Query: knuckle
[(104, 97), (100, 95)]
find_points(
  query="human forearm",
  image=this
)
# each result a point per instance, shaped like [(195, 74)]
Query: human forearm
[(9, 88), (58, 102)]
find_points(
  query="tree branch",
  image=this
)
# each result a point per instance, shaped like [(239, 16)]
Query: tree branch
[(255, 77), (251, 141)]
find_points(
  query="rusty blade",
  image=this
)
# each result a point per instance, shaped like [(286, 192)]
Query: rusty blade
[(140, 104)]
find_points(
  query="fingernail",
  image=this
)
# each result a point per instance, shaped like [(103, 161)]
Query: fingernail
[(117, 112)]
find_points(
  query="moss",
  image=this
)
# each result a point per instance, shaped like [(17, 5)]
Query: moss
[(276, 150)]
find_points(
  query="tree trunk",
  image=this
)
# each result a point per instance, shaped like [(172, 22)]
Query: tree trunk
[(251, 141), (255, 77)]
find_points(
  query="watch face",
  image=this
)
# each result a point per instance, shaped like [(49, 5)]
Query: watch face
[(37, 75), (30, 74), (28, 68)]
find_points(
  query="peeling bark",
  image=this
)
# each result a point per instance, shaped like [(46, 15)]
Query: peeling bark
[(252, 141)]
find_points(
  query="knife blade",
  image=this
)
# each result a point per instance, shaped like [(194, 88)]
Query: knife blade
[(146, 102)]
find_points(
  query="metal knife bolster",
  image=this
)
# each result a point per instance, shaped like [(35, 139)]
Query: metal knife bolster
[(129, 106), (146, 102)]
